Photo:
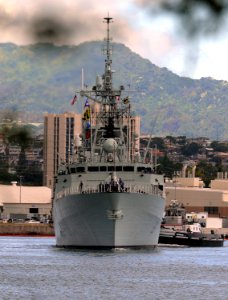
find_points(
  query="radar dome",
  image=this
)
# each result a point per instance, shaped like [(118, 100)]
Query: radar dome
[(110, 145)]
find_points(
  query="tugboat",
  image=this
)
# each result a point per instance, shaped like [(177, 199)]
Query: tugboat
[(176, 229), (107, 195)]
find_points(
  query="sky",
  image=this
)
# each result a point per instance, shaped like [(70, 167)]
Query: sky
[(155, 35)]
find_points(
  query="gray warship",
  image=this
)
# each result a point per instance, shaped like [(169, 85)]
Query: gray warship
[(108, 195)]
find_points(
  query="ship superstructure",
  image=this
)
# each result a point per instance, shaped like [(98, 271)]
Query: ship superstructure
[(107, 194)]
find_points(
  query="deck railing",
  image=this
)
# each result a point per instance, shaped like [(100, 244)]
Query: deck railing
[(107, 188)]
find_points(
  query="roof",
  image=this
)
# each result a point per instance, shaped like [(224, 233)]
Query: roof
[(197, 189), (24, 194)]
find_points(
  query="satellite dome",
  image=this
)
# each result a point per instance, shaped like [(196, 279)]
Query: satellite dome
[(110, 145)]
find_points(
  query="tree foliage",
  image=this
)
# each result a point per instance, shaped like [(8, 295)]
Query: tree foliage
[(21, 136), (190, 149), (219, 147), (167, 167)]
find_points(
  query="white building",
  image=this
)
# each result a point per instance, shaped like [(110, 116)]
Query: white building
[(20, 202), (195, 198)]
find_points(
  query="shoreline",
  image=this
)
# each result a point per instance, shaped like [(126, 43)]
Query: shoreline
[(47, 230)]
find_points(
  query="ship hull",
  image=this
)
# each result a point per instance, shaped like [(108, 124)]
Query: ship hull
[(108, 220)]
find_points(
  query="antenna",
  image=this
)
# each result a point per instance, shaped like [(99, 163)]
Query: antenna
[(82, 79), (108, 20)]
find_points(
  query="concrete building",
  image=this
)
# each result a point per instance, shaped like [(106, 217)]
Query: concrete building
[(195, 198), (21, 202), (60, 131)]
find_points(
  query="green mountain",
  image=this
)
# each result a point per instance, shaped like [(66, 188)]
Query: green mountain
[(43, 78)]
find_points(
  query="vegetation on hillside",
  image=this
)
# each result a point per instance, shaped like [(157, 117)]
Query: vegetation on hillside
[(43, 78)]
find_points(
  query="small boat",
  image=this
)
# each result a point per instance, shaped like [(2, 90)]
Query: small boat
[(193, 239), (176, 230)]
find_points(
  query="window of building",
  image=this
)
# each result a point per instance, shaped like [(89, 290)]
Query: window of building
[(212, 210), (33, 210)]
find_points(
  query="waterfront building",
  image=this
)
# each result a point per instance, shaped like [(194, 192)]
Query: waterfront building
[(21, 202), (190, 192), (60, 131)]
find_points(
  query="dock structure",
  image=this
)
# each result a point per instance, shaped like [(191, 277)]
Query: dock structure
[(26, 229)]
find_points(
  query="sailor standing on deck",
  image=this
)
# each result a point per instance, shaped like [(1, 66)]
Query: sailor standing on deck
[(121, 184), (80, 186)]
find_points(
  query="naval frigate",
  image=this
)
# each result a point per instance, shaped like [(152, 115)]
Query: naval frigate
[(108, 194)]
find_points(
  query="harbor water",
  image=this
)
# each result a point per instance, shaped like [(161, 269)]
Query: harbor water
[(33, 268)]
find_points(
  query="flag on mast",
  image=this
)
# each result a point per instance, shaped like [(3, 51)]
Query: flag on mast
[(86, 115), (87, 103), (74, 100)]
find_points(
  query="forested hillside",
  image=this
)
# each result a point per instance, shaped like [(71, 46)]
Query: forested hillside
[(43, 78)]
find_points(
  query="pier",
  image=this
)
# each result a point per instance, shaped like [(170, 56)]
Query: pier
[(26, 229)]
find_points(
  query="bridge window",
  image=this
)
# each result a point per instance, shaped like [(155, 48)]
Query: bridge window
[(128, 168), (118, 168), (147, 170), (103, 168), (73, 170), (140, 169), (80, 169), (93, 169), (111, 168)]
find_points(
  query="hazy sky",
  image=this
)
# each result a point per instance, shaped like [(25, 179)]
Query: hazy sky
[(153, 36)]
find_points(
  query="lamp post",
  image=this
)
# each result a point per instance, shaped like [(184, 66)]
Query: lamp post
[(175, 185), (20, 186)]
